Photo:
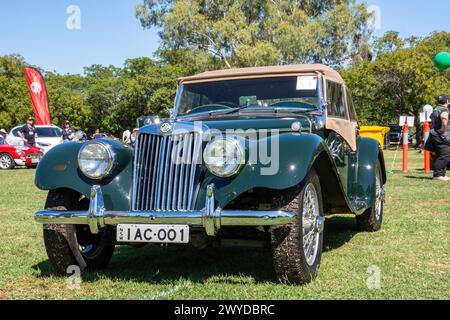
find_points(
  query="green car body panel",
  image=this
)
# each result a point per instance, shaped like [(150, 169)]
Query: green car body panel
[(59, 170), (347, 178)]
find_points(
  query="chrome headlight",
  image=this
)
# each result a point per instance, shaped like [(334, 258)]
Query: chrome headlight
[(96, 160), (224, 157)]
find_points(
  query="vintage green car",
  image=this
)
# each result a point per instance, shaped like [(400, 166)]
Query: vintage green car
[(248, 155)]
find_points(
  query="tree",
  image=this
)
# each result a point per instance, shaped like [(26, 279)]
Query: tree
[(242, 33), (401, 80)]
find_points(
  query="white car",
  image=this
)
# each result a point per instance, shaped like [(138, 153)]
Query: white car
[(48, 136)]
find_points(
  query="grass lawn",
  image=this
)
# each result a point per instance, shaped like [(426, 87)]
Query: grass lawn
[(412, 251)]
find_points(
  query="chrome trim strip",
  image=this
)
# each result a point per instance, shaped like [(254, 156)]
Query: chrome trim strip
[(212, 218), (159, 182)]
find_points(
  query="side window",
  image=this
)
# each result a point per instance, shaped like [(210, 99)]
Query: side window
[(336, 100), (351, 106), (15, 132)]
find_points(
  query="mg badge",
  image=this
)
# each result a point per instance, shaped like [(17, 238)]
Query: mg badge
[(166, 127)]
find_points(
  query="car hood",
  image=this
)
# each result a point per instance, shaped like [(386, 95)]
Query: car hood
[(238, 123)]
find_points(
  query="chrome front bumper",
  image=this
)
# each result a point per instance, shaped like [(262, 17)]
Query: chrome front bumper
[(211, 217)]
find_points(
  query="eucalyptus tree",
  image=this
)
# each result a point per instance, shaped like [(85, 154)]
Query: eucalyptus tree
[(240, 33)]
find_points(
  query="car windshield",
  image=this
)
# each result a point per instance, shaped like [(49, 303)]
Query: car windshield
[(276, 92), (48, 132), (396, 129), (2, 141)]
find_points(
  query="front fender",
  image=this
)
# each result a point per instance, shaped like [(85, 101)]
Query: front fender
[(369, 151), (297, 154), (59, 169)]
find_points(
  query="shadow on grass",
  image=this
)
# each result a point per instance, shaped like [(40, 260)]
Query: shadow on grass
[(419, 178), (155, 264), (339, 230)]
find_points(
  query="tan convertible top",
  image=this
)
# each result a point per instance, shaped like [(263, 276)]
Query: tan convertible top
[(259, 72)]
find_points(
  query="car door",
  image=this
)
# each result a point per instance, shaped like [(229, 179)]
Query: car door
[(342, 136)]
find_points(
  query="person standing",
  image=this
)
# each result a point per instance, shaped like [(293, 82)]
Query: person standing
[(440, 135), (3, 136), (68, 133), (97, 134), (28, 133), (126, 137)]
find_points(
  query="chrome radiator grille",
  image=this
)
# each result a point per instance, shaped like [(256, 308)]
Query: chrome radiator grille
[(164, 172)]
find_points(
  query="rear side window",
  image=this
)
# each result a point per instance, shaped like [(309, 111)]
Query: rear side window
[(351, 107), (336, 100), (48, 132)]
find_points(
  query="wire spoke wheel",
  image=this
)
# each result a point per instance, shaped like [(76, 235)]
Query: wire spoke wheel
[(297, 247), (379, 196), (311, 220)]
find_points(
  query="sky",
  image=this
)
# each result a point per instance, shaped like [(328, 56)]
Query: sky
[(109, 33)]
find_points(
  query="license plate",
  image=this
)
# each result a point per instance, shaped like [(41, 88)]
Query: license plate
[(34, 160), (152, 233)]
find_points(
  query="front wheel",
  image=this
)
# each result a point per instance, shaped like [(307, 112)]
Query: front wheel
[(6, 162), (69, 245), (297, 247)]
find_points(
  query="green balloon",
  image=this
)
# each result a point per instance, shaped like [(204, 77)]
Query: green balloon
[(442, 61)]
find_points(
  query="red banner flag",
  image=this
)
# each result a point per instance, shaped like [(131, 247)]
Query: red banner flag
[(38, 95)]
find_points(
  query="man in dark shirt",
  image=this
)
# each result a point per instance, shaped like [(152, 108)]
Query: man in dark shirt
[(440, 135), (28, 133), (68, 133)]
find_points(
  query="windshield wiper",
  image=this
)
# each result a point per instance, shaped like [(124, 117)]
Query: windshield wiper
[(250, 109)]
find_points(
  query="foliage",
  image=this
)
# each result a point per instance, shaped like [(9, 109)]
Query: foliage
[(108, 98), (401, 80), (260, 32)]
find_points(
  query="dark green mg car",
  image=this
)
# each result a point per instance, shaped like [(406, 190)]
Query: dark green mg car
[(256, 155)]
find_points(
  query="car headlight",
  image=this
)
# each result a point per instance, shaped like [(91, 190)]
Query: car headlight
[(224, 157), (96, 160)]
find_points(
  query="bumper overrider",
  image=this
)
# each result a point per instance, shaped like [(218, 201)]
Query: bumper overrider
[(211, 218)]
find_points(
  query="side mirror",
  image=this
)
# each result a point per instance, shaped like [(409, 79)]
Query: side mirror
[(442, 61)]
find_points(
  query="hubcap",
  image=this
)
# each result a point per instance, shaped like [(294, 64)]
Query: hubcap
[(313, 224), (5, 162)]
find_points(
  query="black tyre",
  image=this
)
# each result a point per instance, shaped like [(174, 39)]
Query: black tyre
[(297, 247), (372, 219), (6, 162), (69, 245)]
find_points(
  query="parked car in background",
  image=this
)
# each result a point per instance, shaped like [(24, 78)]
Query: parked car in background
[(395, 134), (48, 136), (197, 178), (11, 156)]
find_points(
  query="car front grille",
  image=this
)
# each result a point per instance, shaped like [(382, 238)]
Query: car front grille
[(34, 156), (164, 172)]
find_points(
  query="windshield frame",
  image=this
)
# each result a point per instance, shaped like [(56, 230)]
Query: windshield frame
[(320, 97)]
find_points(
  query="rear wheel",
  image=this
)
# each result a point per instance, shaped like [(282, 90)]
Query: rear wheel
[(69, 245), (372, 219), (6, 161), (297, 247)]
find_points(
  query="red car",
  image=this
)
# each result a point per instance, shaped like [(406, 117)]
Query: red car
[(11, 156)]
